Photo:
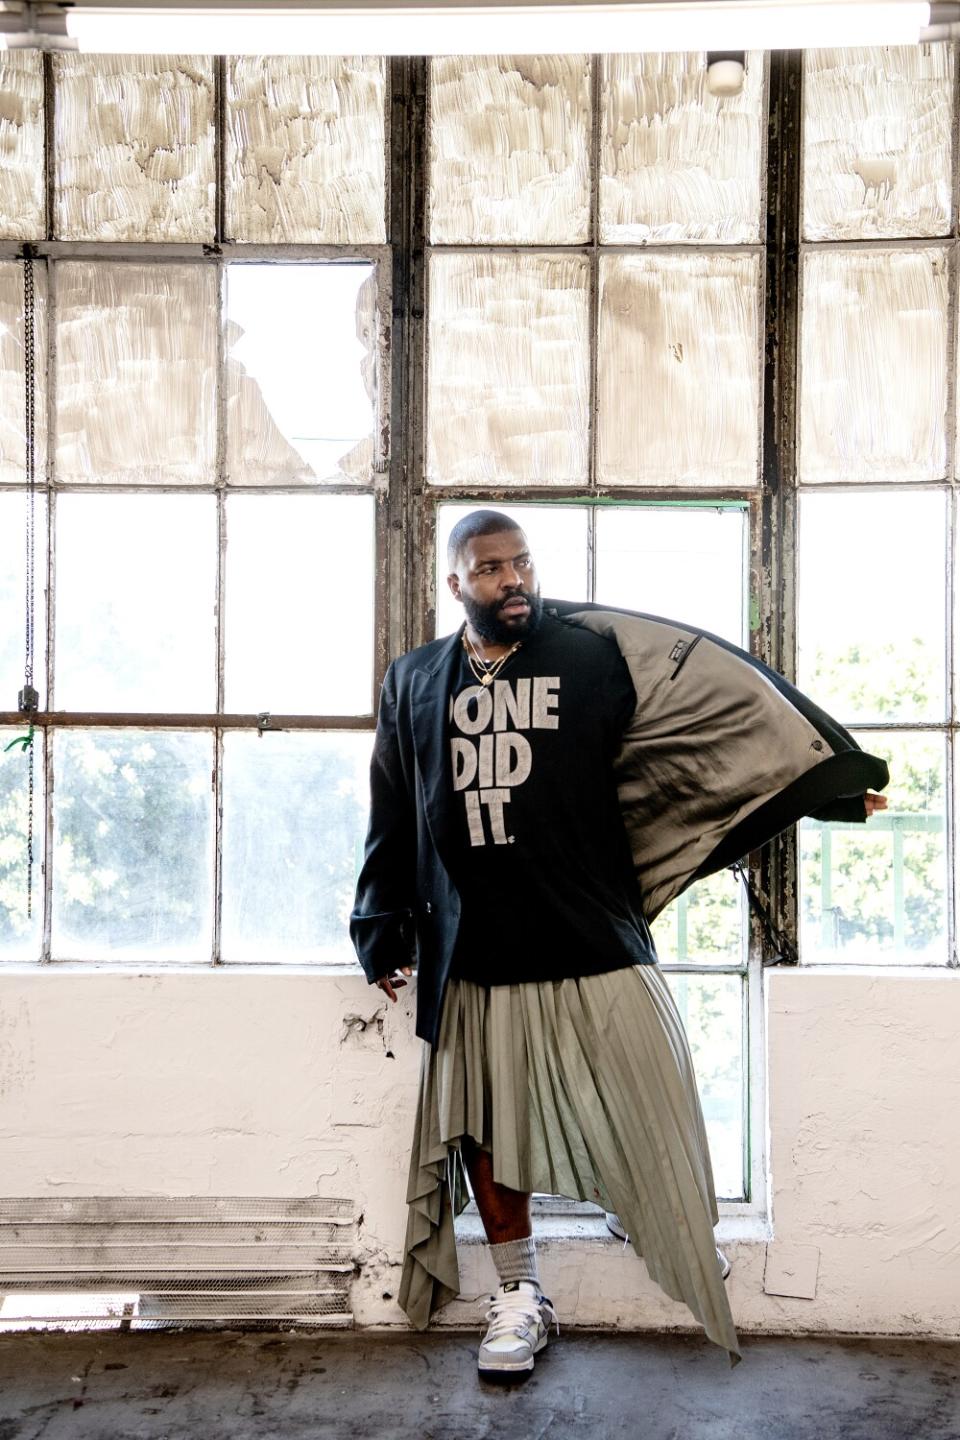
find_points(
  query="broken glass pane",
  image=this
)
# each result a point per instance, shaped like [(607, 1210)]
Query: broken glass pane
[(302, 372), (873, 381), (136, 372), (294, 822), (510, 149), (305, 149), (877, 142), (133, 140), (21, 145), (677, 163), (679, 369), (12, 390), (508, 370)]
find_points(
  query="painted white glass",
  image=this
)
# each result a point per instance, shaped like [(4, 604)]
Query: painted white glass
[(21, 145), (12, 359)]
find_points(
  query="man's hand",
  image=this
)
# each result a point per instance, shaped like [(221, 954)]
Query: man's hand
[(874, 803), (389, 984)]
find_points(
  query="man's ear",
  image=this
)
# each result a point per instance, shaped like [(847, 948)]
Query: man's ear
[(454, 583)]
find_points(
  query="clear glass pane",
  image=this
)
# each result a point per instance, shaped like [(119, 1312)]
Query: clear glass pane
[(294, 823), (133, 845), (13, 596), (677, 163), (12, 390), (685, 564), (21, 145), (865, 652), (300, 604), (305, 149), (873, 389), (508, 370), (558, 543), (876, 893), (706, 924), (20, 935), (129, 635), (301, 372), (877, 142), (510, 149), (136, 372), (711, 1007), (134, 147), (679, 369)]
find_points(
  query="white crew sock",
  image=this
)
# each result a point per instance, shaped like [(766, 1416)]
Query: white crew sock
[(516, 1260)]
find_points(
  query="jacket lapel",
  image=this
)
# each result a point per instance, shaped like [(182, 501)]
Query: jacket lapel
[(430, 692)]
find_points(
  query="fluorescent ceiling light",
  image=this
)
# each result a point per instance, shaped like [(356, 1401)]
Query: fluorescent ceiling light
[(444, 27)]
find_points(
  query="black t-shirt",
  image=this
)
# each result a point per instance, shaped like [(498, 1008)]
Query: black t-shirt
[(543, 865)]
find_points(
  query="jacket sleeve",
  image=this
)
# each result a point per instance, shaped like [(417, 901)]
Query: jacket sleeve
[(381, 921), (850, 807)]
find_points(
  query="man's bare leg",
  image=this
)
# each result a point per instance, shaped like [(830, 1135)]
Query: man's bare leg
[(505, 1213)]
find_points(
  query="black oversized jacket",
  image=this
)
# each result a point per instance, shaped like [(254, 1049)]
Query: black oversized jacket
[(721, 754)]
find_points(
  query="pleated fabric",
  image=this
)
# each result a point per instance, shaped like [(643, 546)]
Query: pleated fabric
[(579, 1087)]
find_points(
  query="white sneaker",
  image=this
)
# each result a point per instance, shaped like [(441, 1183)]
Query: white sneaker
[(615, 1227), (518, 1318)]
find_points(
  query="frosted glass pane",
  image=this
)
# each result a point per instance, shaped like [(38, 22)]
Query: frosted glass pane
[(21, 145), (687, 565), (870, 649), (133, 845), (876, 893), (300, 604), (508, 370), (873, 381), (19, 936), (558, 544), (704, 925), (128, 637), (136, 372), (877, 142), (294, 822), (677, 163), (134, 147), (679, 370), (510, 149), (12, 390), (711, 1007), (301, 372), (305, 149), (13, 603)]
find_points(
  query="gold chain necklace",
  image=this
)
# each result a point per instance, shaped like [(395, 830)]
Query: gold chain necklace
[(486, 671)]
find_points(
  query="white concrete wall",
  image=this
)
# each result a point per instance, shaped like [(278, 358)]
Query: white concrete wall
[(275, 1082)]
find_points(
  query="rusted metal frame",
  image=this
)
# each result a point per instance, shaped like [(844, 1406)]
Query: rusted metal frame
[(132, 487), (50, 438), (219, 143), (953, 283), (196, 251), (49, 153), (593, 302), (573, 492), (220, 470), (185, 720), (584, 247)]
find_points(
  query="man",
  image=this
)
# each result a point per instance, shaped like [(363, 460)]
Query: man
[(542, 784)]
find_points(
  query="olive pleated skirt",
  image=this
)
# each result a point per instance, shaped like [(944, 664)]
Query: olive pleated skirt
[(583, 1088)]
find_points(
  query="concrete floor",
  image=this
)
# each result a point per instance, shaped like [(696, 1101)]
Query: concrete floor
[(229, 1385)]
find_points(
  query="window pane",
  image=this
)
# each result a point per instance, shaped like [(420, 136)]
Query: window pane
[(12, 398), (877, 142), (20, 936), (301, 372), (300, 604), (130, 635), (508, 371), (134, 147), (874, 365), (21, 145), (876, 893), (510, 149), (866, 653), (679, 369), (558, 543), (133, 845), (13, 599), (686, 564), (294, 823), (711, 1007), (705, 924), (305, 149), (677, 163), (136, 372)]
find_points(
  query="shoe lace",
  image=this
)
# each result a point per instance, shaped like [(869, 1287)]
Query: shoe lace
[(517, 1309)]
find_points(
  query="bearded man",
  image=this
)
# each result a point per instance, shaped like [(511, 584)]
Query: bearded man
[(542, 784)]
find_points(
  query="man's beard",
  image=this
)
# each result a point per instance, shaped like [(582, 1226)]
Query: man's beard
[(488, 625)]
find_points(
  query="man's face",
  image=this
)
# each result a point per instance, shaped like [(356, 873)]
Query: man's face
[(496, 582)]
